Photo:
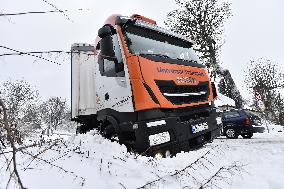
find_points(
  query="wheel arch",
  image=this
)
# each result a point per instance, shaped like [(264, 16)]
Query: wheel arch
[(111, 119)]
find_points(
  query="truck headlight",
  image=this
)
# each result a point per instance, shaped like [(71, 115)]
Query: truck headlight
[(158, 156)]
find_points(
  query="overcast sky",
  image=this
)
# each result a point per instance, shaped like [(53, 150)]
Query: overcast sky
[(255, 30)]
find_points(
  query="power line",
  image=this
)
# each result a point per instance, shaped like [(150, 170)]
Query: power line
[(35, 12), (44, 52), (33, 52), (59, 10), (29, 54)]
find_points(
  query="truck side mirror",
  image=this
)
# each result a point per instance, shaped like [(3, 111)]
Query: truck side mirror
[(105, 31), (106, 44), (106, 47), (119, 67)]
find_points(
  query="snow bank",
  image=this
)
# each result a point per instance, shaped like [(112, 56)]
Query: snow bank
[(264, 156), (224, 100), (91, 161), (272, 128)]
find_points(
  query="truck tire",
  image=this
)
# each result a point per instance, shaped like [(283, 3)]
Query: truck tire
[(81, 129), (231, 133), (84, 128), (108, 131), (248, 135)]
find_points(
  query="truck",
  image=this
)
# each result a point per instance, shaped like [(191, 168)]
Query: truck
[(144, 86)]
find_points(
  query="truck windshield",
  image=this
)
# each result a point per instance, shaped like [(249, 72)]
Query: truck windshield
[(143, 41)]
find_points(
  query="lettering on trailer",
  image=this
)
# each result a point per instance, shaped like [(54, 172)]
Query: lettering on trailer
[(179, 71)]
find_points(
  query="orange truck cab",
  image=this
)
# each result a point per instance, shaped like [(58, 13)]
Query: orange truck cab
[(144, 86)]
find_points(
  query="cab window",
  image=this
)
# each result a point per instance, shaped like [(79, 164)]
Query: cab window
[(109, 67)]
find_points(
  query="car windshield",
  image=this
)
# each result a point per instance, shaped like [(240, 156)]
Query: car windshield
[(143, 41)]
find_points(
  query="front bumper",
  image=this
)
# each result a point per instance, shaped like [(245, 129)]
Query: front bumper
[(182, 138)]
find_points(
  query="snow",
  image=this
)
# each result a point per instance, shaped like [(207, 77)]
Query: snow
[(90, 161), (224, 100), (264, 155)]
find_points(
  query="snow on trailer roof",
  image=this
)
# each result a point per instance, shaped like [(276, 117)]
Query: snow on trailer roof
[(223, 100)]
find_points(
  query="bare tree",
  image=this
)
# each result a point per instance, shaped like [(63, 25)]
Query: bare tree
[(14, 165), (11, 137), (19, 96), (203, 22), (54, 112), (227, 87), (278, 107), (18, 109), (266, 80), (32, 116), (3, 137)]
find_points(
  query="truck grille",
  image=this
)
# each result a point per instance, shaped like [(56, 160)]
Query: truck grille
[(183, 94)]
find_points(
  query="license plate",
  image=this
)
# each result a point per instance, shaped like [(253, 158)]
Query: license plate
[(159, 138), (199, 127)]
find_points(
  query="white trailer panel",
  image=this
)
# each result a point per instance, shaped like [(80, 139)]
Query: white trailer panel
[(83, 95)]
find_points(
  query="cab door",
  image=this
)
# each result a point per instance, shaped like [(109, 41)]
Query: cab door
[(113, 85)]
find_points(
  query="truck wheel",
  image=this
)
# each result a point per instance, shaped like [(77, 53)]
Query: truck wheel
[(109, 131), (78, 130), (81, 129), (248, 135), (84, 128), (231, 133)]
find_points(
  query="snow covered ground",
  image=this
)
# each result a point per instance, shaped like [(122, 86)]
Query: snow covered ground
[(264, 156), (224, 100), (90, 161)]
